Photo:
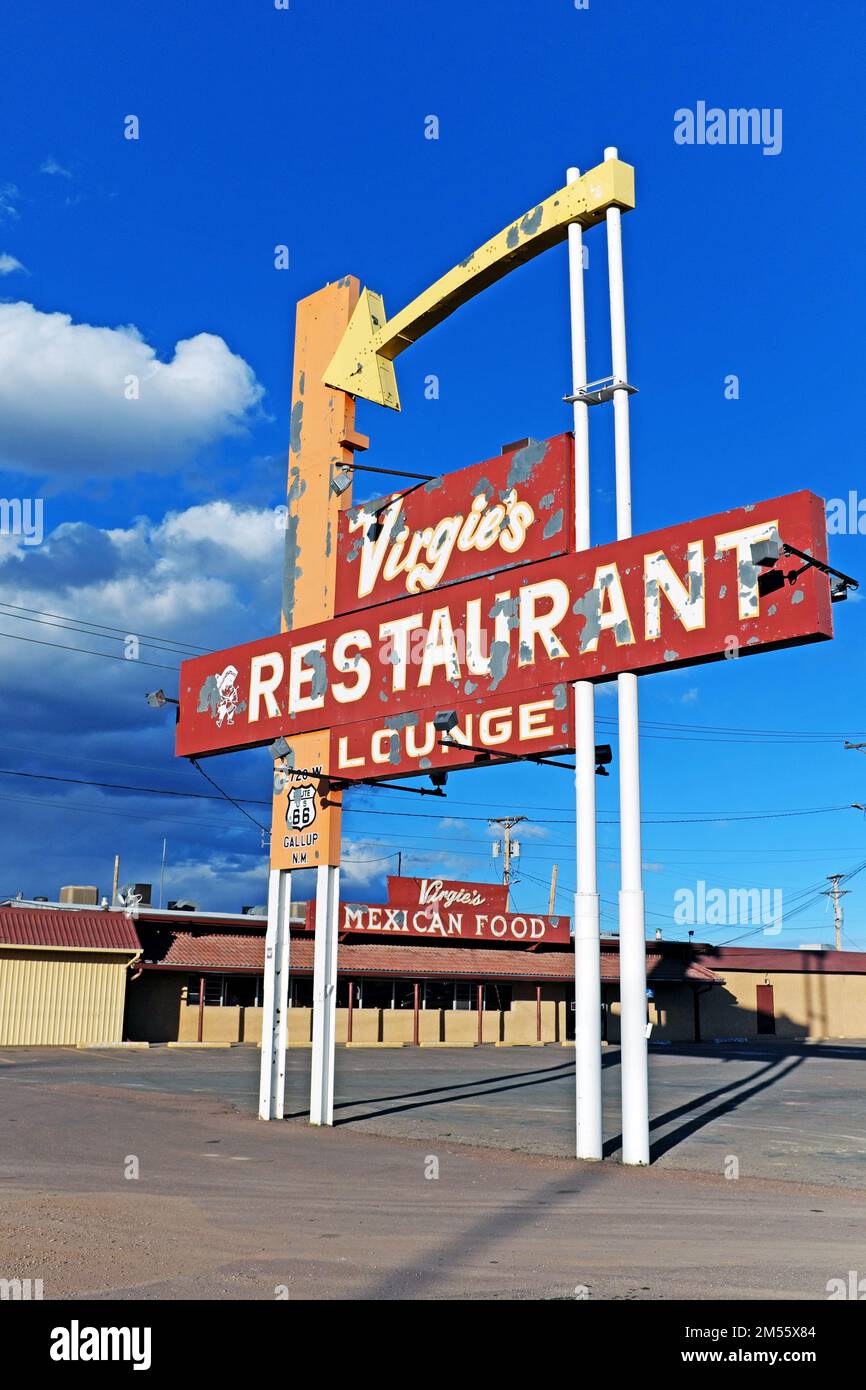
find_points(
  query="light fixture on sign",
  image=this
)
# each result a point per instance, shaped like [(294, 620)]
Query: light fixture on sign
[(340, 482), (443, 722), (157, 698), (603, 757)]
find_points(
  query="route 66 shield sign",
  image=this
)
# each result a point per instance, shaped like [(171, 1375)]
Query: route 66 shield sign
[(301, 808)]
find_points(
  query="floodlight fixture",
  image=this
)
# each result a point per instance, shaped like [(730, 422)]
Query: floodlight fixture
[(445, 720), (340, 482), (157, 698)]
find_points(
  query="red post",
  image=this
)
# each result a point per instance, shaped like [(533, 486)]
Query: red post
[(349, 1020), (480, 1002), (538, 1013), (200, 1007), (416, 1021)]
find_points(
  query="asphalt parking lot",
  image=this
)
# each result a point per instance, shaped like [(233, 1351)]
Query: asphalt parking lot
[(783, 1111), (145, 1174)]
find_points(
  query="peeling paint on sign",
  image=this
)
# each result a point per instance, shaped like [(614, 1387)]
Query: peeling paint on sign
[(642, 604)]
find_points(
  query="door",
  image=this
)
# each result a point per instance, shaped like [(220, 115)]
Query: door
[(766, 1009)]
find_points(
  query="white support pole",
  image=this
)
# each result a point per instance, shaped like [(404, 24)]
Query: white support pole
[(324, 996), (587, 960), (632, 933), (272, 1078)]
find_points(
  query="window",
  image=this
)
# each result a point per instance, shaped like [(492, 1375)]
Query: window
[(404, 994), (465, 995), (497, 997), (240, 991), (302, 993), (377, 994), (213, 990), (438, 994), (343, 994)]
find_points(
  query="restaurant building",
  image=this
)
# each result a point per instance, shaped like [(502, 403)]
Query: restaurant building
[(424, 969)]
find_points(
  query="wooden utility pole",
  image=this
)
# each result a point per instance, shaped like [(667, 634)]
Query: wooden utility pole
[(552, 905), (508, 823), (835, 893)]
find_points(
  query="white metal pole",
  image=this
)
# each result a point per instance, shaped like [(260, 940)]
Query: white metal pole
[(324, 996), (275, 1003), (587, 961), (632, 934)]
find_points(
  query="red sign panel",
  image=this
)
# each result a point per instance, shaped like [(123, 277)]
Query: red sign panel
[(536, 721), (446, 894), (686, 594), (454, 926), (509, 511)]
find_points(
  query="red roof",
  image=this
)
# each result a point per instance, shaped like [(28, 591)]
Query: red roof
[(190, 950), (76, 930), (776, 958), (217, 951)]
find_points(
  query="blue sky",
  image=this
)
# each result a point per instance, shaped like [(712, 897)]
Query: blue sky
[(261, 127)]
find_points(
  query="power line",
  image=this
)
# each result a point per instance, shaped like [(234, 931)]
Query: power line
[(692, 819), (107, 627), (103, 636), (88, 651), (208, 778)]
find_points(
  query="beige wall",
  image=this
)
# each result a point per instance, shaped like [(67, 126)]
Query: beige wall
[(806, 1005), (157, 1009), (59, 998)]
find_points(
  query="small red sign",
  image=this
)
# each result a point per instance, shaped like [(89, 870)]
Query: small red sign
[(447, 894), (509, 511)]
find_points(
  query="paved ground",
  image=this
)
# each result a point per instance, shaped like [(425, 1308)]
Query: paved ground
[(227, 1207), (784, 1111)]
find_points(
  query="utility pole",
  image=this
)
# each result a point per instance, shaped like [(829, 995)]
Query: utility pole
[(553, 875), (836, 894), (162, 871), (508, 823)]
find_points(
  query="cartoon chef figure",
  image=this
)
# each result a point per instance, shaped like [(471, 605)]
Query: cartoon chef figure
[(228, 693)]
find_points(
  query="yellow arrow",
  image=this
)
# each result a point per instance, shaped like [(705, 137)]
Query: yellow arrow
[(364, 361)]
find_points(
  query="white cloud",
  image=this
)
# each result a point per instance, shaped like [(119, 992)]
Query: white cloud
[(85, 716), (51, 166), (690, 696), (362, 862), (214, 882), (80, 399), (8, 197), (207, 576), (9, 263)]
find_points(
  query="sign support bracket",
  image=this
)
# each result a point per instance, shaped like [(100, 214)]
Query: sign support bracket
[(632, 931), (587, 936), (324, 995)]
